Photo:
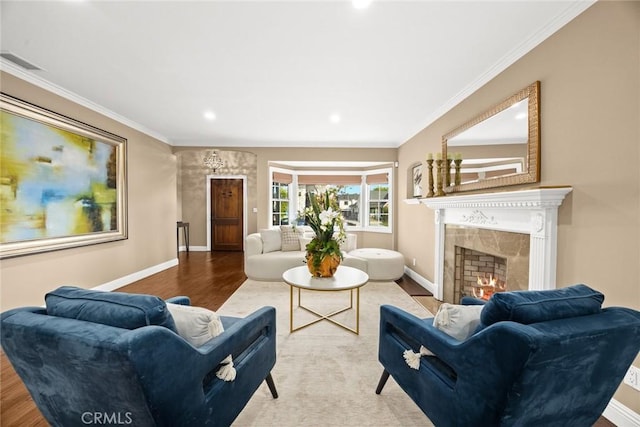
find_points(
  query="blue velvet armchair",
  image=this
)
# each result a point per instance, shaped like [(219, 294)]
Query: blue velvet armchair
[(106, 356), (538, 358)]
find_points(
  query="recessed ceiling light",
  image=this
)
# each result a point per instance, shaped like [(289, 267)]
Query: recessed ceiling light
[(209, 115), (361, 4), (521, 116), (335, 118)]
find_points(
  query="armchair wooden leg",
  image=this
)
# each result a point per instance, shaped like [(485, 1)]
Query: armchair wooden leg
[(383, 381), (272, 386)]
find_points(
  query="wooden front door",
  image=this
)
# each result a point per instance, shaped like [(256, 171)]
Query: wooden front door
[(226, 215)]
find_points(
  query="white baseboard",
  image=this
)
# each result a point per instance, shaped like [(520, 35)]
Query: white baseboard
[(420, 280), (123, 281), (620, 415), (194, 248)]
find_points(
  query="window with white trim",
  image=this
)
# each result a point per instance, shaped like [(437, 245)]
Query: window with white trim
[(378, 205), (357, 189), (280, 198)]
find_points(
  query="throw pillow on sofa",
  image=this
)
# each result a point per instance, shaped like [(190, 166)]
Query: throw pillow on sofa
[(290, 238), (304, 241), (271, 240)]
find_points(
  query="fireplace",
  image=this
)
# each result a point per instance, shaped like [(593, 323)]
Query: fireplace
[(474, 255), (482, 274), (520, 226)]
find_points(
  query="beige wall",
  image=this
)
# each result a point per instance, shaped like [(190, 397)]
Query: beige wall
[(151, 206), (254, 162), (590, 117), (590, 95)]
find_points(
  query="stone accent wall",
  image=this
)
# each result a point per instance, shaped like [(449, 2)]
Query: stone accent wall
[(192, 193)]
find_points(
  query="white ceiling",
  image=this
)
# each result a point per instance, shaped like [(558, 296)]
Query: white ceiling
[(274, 72)]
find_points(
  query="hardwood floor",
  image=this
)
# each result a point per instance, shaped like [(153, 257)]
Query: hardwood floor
[(208, 279)]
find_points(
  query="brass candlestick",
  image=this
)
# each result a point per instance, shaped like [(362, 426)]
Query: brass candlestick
[(447, 167), (457, 177), (440, 167), (430, 174)]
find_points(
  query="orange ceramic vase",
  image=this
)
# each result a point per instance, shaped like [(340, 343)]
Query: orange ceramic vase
[(327, 268)]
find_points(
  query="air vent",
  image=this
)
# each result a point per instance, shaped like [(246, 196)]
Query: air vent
[(19, 61)]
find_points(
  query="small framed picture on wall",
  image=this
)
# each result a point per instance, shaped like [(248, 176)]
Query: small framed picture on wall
[(417, 180)]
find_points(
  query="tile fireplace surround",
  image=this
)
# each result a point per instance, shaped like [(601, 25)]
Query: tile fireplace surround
[(532, 212)]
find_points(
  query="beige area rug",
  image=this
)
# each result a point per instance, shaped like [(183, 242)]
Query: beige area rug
[(325, 375)]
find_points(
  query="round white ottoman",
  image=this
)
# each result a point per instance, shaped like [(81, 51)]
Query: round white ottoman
[(382, 264)]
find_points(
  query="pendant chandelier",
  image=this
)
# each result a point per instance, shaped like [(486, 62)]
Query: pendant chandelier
[(212, 161)]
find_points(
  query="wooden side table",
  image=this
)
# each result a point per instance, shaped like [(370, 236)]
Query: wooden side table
[(185, 235)]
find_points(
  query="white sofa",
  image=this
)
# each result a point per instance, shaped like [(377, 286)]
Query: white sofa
[(269, 266)]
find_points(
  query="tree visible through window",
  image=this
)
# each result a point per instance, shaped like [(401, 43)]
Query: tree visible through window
[(378, 205), (348, 199), (280, 201)]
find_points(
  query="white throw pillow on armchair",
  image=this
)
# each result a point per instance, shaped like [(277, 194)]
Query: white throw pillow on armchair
[(197, 325), (457, 321)]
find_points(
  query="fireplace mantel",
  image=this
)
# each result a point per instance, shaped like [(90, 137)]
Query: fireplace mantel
[(533, 212)]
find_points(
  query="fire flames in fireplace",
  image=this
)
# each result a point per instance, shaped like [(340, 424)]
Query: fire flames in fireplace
[(487, 286), (479, 274)]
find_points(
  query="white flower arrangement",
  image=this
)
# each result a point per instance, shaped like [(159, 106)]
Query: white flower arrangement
[(325, 219)]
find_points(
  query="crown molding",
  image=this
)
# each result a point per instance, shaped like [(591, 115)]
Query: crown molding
[(572, 11), (43, 83)]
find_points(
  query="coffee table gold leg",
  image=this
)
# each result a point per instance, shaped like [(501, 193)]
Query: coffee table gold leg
[(291, 308), (357, 310), (325, 316)]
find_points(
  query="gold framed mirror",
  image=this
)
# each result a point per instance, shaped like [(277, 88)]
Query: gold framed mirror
[(498, 147)]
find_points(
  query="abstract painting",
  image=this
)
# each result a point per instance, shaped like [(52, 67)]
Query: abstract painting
[(62, 182)]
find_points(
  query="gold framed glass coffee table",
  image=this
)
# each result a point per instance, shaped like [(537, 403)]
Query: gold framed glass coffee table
[(345, 279)]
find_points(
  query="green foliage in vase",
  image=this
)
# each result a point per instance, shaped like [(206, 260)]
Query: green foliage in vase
[(324, 217)]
